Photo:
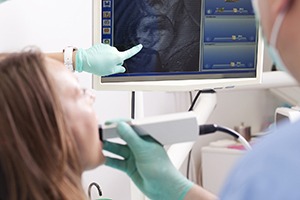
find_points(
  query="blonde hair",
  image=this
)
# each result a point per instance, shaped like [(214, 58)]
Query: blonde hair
[(38, 155)]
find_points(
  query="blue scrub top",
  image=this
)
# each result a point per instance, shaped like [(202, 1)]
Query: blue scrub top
[(270, 171)]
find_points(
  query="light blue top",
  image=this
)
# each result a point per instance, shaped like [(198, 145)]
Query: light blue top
[(270, 171)]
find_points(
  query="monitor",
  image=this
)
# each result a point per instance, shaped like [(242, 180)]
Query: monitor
[(187, 44)]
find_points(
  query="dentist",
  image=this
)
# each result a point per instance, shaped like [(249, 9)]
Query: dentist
[(271, 170)]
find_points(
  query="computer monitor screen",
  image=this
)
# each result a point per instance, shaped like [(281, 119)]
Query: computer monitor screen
[(187, 44)]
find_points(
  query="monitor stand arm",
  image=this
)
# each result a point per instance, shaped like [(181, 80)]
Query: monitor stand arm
[(203, 108)]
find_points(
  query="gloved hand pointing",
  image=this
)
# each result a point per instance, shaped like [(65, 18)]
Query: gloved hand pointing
[(148, 165), (103, 59)]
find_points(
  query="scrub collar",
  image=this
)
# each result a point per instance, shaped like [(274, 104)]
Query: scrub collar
[(271, 45)]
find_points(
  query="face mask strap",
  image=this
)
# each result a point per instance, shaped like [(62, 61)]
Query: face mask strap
[(276, 27)]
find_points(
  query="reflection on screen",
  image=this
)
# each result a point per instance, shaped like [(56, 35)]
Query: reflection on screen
[(182, 39)]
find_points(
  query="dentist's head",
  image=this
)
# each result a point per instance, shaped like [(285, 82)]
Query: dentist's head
[(280, 24)]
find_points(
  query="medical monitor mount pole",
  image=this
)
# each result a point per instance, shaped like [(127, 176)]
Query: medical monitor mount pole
[(203, 107)]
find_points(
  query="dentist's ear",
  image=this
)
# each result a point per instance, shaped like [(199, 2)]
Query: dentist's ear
[(279, 5)]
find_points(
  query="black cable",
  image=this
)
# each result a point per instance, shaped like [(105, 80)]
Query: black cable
[(188, 165), (191, 96), (227, 130), (98, 189), (195, 100), (211, 128), (132, 104), (197, 96)]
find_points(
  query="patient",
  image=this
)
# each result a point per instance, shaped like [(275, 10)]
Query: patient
[(49, 136), (48, 132)]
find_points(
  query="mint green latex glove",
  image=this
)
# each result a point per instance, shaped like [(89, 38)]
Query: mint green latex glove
[(103, 59), (148, 165)]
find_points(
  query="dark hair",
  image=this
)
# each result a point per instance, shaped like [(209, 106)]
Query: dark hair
[(38, 157)]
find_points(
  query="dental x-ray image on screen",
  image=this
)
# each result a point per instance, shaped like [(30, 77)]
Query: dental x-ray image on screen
[(182, 39), (168, 31)]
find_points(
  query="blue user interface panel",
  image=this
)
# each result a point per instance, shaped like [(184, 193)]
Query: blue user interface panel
[(182, 39), (229, 31)]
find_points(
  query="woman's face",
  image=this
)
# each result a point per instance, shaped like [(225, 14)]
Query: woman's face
[(77, 105)]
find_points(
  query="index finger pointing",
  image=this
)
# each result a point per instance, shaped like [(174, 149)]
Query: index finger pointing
[(131, 52)]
